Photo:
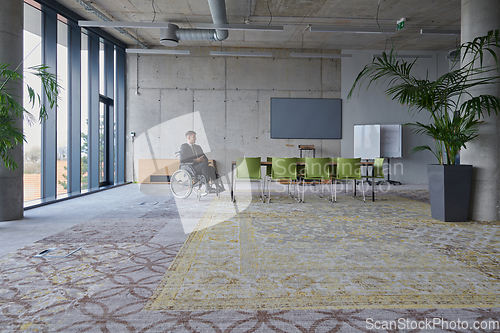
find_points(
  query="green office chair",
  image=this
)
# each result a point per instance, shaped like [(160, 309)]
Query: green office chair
[(333, 171), (349, 169), (378, 171), (248, 168), (267, 176), (300, 168), (316, 169), (378, 168), (333, 167), (283, 169)]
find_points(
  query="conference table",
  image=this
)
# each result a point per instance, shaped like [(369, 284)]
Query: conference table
[(266, 163)]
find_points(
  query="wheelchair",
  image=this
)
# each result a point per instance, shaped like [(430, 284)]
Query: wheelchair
[(186, 180)]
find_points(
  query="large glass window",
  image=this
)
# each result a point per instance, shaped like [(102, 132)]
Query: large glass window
[(106, 141), (62, 109), (32, 128), (102, 142), (115, 141), (84, 132), (102, 69), (79, 137)]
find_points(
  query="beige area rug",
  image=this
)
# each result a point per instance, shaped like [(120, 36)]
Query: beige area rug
[(319, 255)]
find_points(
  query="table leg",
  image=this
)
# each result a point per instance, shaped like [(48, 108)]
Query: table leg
[(373, 183), (232, 181)]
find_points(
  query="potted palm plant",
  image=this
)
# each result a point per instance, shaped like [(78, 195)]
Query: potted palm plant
[(454, 110), (11, 134)]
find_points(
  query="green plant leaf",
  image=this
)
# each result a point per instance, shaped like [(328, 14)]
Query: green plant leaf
[(455, 112), (10, 109)]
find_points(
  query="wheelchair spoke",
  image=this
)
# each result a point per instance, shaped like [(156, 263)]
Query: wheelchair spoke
[(181, 184), (200, 187)]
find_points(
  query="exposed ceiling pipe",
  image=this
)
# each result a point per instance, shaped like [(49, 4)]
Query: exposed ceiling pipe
[(249, 11), (90, 8), (172, 35), (218, 11)]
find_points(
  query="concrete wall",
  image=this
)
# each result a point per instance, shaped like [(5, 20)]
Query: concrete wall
[(373, 107), (226, 100), (479, 17)]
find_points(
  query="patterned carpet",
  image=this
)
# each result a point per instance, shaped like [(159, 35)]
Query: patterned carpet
[(119, 280), (320, 255)]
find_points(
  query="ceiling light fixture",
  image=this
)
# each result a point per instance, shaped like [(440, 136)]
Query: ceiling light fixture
[(357, 30), (402, 56), (439, 32), (319, 55), (158, 51), (241, 54), (116, 24), (239, 27)]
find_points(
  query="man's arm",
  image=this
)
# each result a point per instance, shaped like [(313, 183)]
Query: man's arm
[(186, 154), (200, 154)]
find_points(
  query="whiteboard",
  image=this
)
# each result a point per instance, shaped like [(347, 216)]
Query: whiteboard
[(367, 141), (391, 141)]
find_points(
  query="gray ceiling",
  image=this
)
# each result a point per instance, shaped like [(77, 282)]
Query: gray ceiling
[(295, 15)]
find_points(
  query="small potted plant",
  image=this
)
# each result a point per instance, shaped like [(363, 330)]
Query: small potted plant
[(454, 110)]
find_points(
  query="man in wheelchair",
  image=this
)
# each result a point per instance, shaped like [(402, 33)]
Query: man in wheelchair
[(193, 153)]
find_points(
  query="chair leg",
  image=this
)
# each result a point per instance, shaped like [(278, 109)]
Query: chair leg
[(303, 189), (261, 189), (335, 192), (234, 190), (264, 187), (269, 189), (297, 191), (363, 188), (331, 189)]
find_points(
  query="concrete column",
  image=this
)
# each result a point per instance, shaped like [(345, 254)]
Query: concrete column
[(478, 17), (11, 51)]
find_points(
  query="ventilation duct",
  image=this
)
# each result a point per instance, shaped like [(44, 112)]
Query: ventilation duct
[(168, 35), (218, 12)]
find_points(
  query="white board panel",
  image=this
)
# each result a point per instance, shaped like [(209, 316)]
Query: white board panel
[(391, 141), (367, 141)]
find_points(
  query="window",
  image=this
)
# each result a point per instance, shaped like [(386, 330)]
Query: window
[(62, 109), (81, 138), (32, 128), (84, 130), (102, 69)]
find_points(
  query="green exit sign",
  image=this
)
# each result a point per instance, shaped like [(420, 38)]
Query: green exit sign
[(401, 24)]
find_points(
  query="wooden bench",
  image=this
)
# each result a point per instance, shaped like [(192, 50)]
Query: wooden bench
[(159, 170)]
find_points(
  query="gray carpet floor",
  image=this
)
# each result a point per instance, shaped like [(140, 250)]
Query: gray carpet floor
[(125, 239)]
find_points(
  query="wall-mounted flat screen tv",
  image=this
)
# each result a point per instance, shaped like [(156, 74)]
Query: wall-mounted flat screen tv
[(306, 118)]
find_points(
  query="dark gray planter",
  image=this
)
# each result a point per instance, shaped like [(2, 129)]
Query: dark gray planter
[(449, 191)]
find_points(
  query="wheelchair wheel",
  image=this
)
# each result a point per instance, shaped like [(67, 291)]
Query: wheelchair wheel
[(200, 187), (181, 184)]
